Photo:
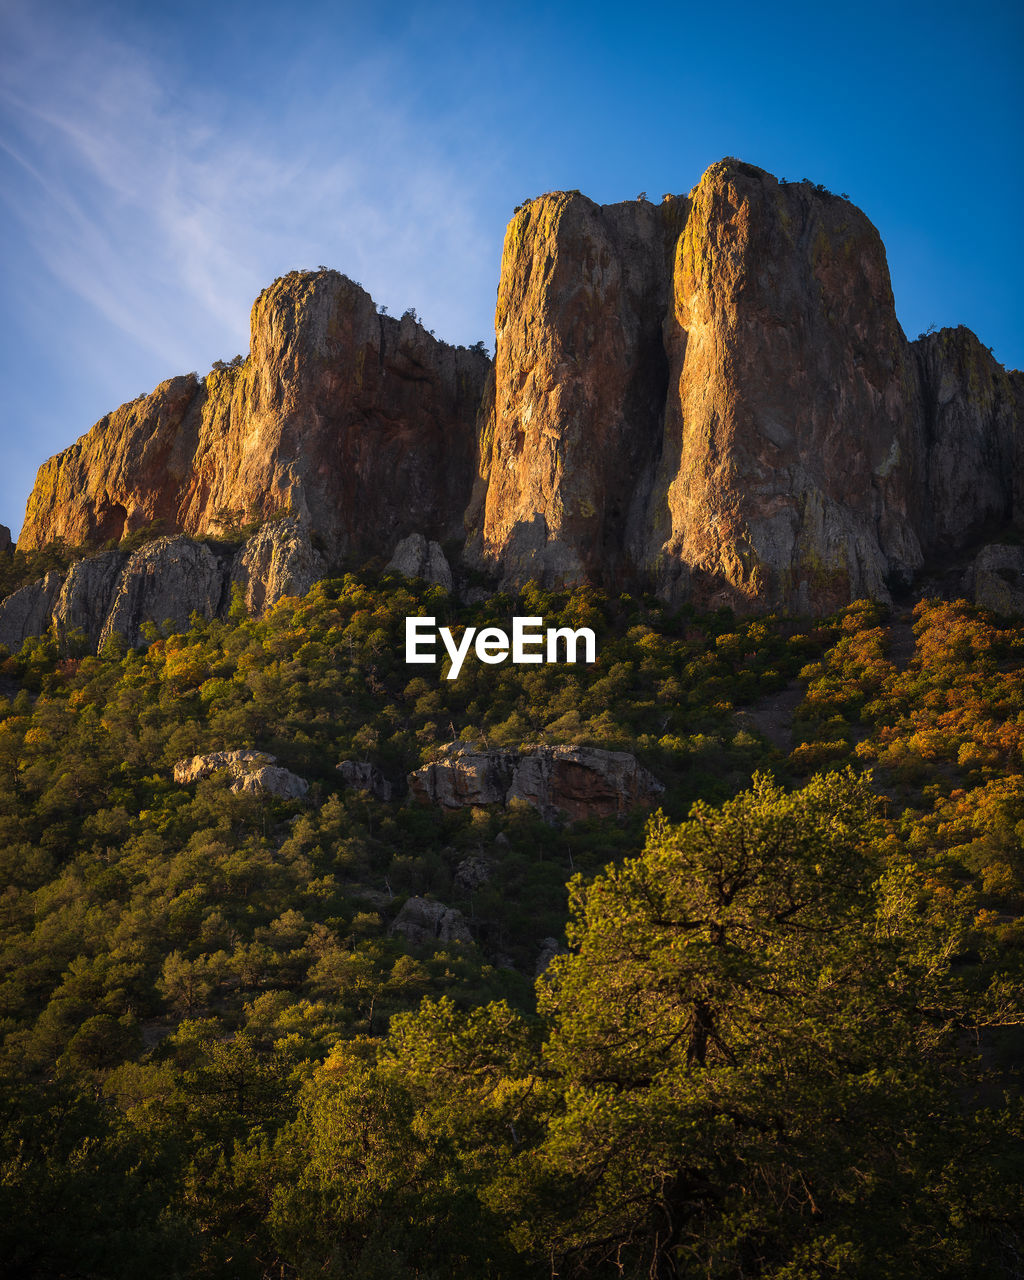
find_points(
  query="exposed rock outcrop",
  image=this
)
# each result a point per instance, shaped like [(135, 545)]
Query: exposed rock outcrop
[(422, 922), (87, 596), (6, 545), (166, 580), (997, 579), (572, 423), (566, 781), (272, 780), (463, 776), (237, 762), (581, 782), (417, 558), (711, 397), (714, 395), (471, 874), (254, 772), (360, 424), (549, 948), (361, 776), (28, 611), (278, 560)]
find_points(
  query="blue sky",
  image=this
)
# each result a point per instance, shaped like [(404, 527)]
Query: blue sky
[(161, 163)]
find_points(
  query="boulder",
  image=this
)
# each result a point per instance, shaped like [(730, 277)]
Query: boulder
[(254, 772), (463, 775), (361, 776), (998, 574), (471, 874), (559, 782), (423, 922), (166, 580), (278, 560), (271, 780), (549, 948), (417, 558)]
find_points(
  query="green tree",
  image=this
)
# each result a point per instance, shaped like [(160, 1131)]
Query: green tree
[(759, 1063)]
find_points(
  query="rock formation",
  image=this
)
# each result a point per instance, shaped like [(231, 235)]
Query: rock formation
[(359, 424), (278, 560), (29, 611), (714, 396), (549, 948), (711, 397), (254, 772), (361, 776), (463, 776), (422, 922), (166, 580), (996, 579), (569, 782), (471, 874), (417, 558)]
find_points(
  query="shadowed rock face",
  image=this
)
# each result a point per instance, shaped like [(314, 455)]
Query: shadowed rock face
[(168, 579), (973, 412), (360, 775), (423, 922), (996, 579), (417, 558), (361, 425)]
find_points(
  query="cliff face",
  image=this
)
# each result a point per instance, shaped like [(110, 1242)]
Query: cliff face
[(361, 425), (973, 411), (168, 579), (711, 397), (791, 401), (714, 396), (572, 423)]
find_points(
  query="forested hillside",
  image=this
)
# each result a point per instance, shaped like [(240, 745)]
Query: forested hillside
[(780, 1038)]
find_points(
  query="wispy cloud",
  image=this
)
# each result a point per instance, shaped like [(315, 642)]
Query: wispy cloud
[(166, 209)]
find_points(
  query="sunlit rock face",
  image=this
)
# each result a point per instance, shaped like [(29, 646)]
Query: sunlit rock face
[(710, 398), (360, 425), (713, 396), (563, 782), (252, 773)]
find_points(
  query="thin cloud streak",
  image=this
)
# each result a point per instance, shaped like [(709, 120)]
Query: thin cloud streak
[(167, 217)]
